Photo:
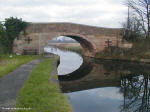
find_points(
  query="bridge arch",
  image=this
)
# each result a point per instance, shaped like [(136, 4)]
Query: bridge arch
[(92, 39), (88, 47)]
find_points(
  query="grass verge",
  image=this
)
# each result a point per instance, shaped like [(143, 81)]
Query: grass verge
[(140, 50), (40, 94), (9, 64), (77, 49)]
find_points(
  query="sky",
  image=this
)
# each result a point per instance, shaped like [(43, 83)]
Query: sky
[(103, 13)]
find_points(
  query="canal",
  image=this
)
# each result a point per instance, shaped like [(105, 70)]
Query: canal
[(102, 85)]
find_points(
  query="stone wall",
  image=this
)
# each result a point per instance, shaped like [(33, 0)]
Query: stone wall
[(92, 39)]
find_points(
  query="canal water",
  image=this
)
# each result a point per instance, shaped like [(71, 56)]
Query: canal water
[(103, 85)]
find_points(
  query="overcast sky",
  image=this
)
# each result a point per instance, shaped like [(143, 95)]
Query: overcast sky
[(104, 13)]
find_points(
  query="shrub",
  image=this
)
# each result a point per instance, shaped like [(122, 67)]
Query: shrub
[(140, 49), (9, 31)]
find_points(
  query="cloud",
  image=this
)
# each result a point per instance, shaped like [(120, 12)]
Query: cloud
[(103, 13)]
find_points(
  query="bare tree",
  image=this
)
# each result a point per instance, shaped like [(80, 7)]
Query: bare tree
[(142, 10), (132, 27), (136, 93)]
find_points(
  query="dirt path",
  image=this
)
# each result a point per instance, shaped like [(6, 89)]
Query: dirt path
[(11, 84)]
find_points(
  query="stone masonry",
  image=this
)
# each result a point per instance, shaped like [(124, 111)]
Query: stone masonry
[(92, 39)]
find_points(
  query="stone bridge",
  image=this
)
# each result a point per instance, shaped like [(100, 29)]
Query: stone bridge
[(92, 39)]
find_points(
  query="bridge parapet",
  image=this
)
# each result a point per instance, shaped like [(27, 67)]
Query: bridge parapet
[(92, 39)]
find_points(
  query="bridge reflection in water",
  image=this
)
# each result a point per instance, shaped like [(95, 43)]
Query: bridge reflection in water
[(132, 79)]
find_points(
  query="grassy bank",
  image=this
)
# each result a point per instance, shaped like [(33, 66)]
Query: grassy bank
[(140, 50), (9, 64), (75, 47), (40, 94)]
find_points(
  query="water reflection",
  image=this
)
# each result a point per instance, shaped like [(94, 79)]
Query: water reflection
[(136, 91), (135, 84), (83, 70), (72, 59), (90, 75), (96, 100), (122, 86), (107, 86)]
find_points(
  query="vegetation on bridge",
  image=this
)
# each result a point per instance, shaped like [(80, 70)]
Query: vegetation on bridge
[(140, 50), (9, 31), (136, 31)]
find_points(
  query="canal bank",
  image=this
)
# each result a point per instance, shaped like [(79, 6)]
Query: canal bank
[(114, 54), (35, 91)]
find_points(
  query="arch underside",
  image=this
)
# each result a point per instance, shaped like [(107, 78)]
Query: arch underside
[(87, 46)]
